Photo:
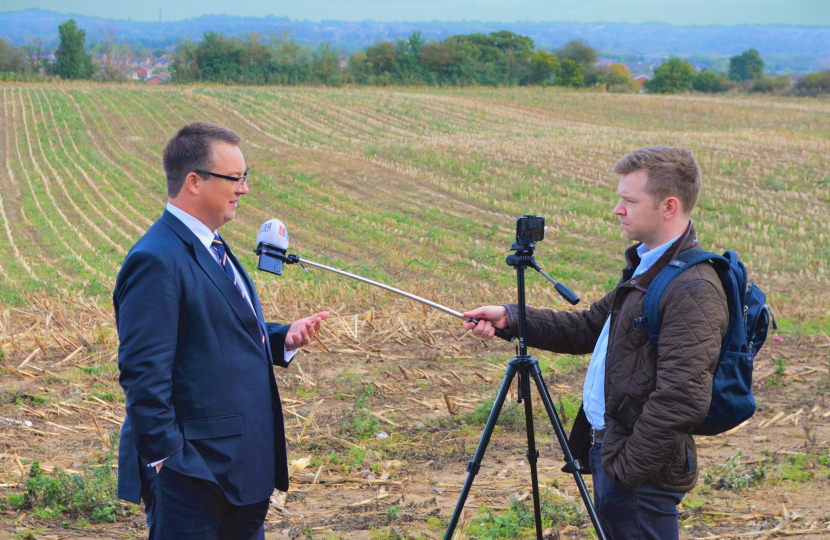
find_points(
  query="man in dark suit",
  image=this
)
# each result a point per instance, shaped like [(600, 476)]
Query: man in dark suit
[(203, 443)]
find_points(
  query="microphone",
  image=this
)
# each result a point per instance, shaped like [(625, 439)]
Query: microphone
[(272, 244)]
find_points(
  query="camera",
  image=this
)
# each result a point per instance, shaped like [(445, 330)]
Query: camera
[(530, 229)]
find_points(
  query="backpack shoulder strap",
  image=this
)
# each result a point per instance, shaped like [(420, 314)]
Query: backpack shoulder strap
[(651, 304)]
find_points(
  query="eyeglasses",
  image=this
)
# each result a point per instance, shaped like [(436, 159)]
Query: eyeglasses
[(244, 177)]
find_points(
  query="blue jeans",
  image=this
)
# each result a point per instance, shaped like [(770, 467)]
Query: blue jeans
[(647, 513)]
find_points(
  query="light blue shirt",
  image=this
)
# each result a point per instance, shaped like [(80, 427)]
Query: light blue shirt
[(593, 393)]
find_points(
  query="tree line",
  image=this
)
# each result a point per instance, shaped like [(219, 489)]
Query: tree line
[(746, 70), (495, 59), (501, 58)]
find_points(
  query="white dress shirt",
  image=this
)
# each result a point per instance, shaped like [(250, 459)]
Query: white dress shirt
[(205, 236)]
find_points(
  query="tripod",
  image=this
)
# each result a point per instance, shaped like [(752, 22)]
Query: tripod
[(526, 367)]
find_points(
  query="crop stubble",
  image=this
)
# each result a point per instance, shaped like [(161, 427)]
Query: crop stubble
[(383, 176)]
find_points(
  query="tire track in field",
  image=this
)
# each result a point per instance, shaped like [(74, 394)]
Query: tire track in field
[(6, 225), (354, 106), (111, 153), (137, 153), (104, 181), (59, 179), (363, 126), (46, 217), (409, 172), (410, 199), (92, 204), (92, 184)]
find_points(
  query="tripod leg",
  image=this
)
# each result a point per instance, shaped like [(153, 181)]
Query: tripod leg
[(474, 465), (536, 373), (532, 452)]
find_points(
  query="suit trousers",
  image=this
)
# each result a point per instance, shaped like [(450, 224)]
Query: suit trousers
[(647, 513), (184, 508)]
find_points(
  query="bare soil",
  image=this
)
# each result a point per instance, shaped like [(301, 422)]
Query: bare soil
[(408, 483)]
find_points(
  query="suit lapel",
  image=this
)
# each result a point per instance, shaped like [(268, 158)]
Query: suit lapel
[(254, 300), (217, 275)]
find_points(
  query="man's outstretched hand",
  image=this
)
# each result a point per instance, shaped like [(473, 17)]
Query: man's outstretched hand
[(490, 318), (301, 332)]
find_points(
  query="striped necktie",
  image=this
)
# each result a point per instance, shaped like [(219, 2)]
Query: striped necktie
[(218, 245)]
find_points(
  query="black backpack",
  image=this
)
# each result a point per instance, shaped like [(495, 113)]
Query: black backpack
[(749, 321)]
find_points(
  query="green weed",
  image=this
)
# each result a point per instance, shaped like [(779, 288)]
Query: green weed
[(516, 521), (733, 476), (363, 425), (91, 494), (92, 370), (795, 470), (16, 500), (512, 414), (357, 455)]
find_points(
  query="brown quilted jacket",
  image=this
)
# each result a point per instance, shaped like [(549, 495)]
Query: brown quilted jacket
[(653, 397)]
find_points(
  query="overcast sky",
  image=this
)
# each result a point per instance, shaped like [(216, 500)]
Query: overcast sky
[(681, 12)]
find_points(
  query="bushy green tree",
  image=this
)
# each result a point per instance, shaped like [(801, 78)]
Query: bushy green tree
[(815, 83), (620, 80), (579, 51), (11, 59), (570, 73), (545, 66), (711, 81), (184, 66), (771, 84), (220, 59), (74, 62), (441, 57), (326, 66), (672, 76), (382, 57), (747, 66)]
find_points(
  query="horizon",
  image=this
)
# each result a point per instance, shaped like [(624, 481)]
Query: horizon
[(726, 13), (413, 21)]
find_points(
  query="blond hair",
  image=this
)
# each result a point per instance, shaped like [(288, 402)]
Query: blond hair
[(672, 172)]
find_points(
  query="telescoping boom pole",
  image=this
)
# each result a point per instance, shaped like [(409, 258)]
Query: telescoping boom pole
[(386, 287)]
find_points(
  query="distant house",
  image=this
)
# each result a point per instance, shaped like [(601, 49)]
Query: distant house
[(158, 78), (142, 72), (641, 79), (139, 72), (163, 62)]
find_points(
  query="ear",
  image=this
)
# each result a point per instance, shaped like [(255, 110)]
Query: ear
[(192, 184), (671, 208)]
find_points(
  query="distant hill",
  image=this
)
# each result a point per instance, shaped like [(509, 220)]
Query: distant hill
[(784, 48)]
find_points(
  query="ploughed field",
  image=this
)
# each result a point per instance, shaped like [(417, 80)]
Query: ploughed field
[(418, 189)]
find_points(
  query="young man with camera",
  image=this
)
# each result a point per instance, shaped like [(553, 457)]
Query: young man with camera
[(640, 402)]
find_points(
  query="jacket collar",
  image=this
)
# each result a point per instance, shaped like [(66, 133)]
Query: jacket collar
[(687, 241), (219, 277)]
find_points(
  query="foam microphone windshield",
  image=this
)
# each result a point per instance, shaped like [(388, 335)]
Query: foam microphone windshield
[(272, 244)]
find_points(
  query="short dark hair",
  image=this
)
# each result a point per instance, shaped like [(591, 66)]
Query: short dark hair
[(671, 172), (191, 149)]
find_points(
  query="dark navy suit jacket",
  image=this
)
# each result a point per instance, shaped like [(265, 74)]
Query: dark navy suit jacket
[(196, 371)]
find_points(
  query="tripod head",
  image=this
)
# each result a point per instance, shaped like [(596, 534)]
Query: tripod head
[(529, 230)]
